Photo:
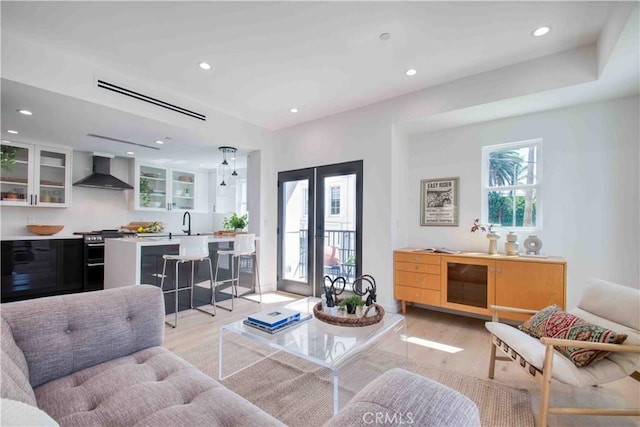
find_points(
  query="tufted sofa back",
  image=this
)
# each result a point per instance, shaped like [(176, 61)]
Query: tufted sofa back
[(57, 335)]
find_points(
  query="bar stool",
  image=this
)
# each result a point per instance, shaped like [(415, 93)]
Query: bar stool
[(244, 245), (192, 249)]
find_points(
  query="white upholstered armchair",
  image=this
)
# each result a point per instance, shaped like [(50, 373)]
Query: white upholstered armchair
[(605, 304)]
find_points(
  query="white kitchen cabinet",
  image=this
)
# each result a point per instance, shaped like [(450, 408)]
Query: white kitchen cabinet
[(161, 189), (35, 176)]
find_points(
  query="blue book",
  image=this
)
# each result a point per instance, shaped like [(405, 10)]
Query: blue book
[(274, 317), (279, 327)]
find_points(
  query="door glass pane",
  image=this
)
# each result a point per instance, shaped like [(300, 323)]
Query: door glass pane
[(52, 176), (14, 174), (340, 227), (295, 233), (153, 187), (182, 184), (467, 284)]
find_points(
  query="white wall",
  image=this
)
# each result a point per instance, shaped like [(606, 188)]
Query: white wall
[(363, 134), (590, 189)]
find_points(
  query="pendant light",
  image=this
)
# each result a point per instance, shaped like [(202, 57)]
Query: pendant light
[(232, 151)]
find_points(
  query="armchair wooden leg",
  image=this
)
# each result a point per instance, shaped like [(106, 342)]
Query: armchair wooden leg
[(546, 386), (492, 359)]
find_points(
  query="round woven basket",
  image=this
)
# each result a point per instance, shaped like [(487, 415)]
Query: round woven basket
[(351, 320)]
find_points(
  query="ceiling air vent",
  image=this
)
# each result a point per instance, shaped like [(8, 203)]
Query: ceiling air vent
[(137, 95)]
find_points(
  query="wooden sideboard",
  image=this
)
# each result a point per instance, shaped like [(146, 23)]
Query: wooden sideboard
[(470, 282)]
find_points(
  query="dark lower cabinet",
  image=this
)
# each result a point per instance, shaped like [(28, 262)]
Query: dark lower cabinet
[(35, 268)]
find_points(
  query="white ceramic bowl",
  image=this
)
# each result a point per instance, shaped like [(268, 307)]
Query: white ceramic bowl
[(155, 204)]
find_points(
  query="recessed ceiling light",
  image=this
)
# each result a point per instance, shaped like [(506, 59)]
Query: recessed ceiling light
[(25, 112), (204, 65), (540, 31), (131, 153), (15, 132), (159, 142), (201, 165), (384, 36), (411, 72), (293, 110)]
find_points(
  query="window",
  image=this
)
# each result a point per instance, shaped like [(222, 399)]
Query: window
[(511, 177), (241, 197), (335, 201)]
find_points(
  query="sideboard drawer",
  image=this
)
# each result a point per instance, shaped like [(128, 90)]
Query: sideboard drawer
[(421, 296), (421, 258), (418, 280), (417, 267)]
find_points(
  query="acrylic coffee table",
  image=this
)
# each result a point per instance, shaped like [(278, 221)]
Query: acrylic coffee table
[(308, 340)]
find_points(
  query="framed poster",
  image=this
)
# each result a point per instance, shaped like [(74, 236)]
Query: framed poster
[(439, 201)]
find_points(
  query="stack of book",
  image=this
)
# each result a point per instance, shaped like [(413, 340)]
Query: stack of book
[(275, 319)]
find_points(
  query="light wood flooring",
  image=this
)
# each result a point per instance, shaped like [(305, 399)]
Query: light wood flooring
[(458, 331)]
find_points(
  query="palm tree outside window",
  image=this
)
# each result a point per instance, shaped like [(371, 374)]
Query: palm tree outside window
[(512, 185)]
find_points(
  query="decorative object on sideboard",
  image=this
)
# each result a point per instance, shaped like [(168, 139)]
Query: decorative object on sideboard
[(532, 245), (511, 245), (439, 201), (491, 235), (44, 230)]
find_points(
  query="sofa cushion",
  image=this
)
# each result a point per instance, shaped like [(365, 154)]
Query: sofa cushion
[(552, 322), (400, 397), (148, 388), (14, 377), (62, 334)]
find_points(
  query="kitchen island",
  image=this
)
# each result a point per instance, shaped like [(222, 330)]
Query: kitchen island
[(138, 260)]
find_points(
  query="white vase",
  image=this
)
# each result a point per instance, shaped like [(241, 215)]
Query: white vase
[(493, 242), (511, 245)]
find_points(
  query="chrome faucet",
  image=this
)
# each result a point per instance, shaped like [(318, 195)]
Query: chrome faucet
[(188, 230)]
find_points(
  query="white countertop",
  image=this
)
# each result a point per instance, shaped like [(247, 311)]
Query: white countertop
[(36, 237), (160, 241)]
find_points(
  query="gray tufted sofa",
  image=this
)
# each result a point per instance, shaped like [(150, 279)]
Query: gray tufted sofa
[(96, 359)]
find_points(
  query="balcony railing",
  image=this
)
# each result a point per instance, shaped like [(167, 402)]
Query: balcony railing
[(344, 241)]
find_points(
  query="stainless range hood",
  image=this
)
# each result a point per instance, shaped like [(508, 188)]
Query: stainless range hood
[(101, 177)]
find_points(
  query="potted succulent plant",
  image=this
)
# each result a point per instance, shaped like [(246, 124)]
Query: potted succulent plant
[(235, 222), (351, 303)]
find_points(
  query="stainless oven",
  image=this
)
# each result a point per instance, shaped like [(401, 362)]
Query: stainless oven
[(94, 256)]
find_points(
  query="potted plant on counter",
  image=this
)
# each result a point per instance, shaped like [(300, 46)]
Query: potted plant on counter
[(235, 222)]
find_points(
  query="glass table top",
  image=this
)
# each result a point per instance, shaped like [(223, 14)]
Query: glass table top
[(319, 342)]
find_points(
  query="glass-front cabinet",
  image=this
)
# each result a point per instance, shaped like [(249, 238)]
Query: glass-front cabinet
[(164, 189), (35, 176), (468, 284)]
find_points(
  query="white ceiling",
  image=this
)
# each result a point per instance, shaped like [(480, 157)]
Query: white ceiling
[(321, 57)]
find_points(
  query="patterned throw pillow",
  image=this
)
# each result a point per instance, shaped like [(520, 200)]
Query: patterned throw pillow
[(552, 322)]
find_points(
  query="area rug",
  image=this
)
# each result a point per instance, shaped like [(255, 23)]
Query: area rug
[(300, 393)]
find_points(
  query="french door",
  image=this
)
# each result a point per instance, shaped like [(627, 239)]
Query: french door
[(319, 226)]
